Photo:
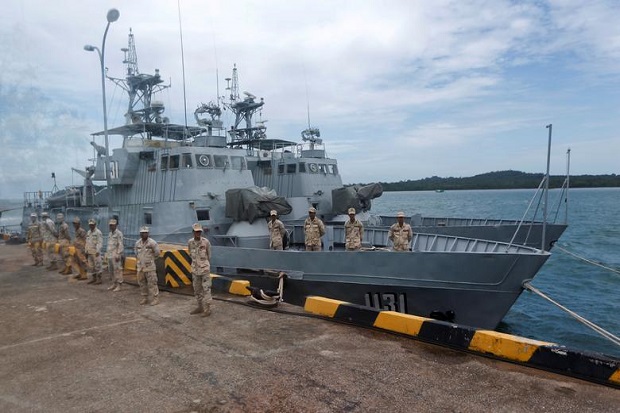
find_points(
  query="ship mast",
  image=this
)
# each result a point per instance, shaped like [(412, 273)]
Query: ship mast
[(244, 110), (140, 88)]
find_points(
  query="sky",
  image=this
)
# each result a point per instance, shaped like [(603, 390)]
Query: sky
[(399, 89)]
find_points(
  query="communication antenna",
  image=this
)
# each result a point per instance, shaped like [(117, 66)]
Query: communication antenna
[(182, 64)]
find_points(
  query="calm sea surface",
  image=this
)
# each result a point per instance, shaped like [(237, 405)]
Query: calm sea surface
[(593, 232)]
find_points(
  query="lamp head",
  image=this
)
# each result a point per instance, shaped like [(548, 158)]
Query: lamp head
[(113, 15), (89, 48)]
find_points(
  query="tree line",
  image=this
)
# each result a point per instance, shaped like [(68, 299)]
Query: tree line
[(502, 180)]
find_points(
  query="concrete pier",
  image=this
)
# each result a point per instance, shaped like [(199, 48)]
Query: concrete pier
[(67, 346)]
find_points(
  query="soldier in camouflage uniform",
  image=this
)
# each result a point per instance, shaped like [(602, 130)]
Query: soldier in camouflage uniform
[(354, 232), (314, 230), (94, 243), (115, 254), (50, 238), (276, 231), (200, 251), (400, 233), (79, 255), (35, 239), (147, 250), (64, 239)]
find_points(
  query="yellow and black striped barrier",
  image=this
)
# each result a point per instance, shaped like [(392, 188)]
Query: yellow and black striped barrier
[(177, 268), (539, 354)]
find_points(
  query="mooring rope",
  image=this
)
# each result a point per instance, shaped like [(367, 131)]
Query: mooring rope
[(587, 260), (614, 339)]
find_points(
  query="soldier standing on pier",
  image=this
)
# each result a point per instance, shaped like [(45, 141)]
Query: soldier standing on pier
[(50, 237), (79, 256), (94, 243), (35, 239), (147, 250), (64, 239), (200, 251), (115, 254)]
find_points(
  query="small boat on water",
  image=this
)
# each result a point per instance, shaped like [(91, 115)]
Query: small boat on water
[(169, 176)]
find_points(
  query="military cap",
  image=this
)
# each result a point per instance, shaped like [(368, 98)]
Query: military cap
[(195, 227), (144, 229), (76, 220), (400, 214), (351, 211), (112, 222), (311, 209), (60, 216), (92, 222), (45, 214), (33, 215), (273, 212)]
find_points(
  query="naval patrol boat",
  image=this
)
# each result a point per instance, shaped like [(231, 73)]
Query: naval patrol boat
[(168, 176)]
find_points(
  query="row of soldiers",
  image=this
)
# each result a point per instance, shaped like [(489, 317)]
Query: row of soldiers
[(86, 257), (400, 232)]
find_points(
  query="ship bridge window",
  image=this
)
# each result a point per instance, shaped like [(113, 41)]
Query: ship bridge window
[(291, 168), (174, 162), (204, 161), (238, 162), (164, 162), (322, 168), (332, 169), (187, 160), (302, 167), (202, 214), (221, 161), (281, 169)]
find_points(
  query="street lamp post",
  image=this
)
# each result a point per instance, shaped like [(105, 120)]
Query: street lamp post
[(112, 16)]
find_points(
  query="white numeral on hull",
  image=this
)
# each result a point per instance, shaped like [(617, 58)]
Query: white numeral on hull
[(386, 301)]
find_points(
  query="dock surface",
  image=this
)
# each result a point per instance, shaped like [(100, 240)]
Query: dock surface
[(71, 347)]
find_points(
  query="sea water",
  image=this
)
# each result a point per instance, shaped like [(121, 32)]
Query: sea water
[(593, 232)]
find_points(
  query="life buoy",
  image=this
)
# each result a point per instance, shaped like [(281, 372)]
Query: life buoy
[(313, 167), (204, 160)]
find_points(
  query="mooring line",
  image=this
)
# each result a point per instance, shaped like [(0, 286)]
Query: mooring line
[(609, 336), (587, 260)]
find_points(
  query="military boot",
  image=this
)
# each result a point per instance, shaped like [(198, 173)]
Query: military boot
[(117, 288), (82, 275), (155, 300), (197, 310), (97, 279), (206, 312), (144, 301), (92, 280), (53, 267)]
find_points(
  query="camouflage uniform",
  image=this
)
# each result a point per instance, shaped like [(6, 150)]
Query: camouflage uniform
[(35, 239), (146, 252), (79, 256), (200, 252), (276, 232), (400, 236), (115, 254), (354, 233), (314, 229), (50, 237), (64, 239), (94, 243)]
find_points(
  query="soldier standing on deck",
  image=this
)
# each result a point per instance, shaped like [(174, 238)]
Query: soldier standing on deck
[(314, 230), (200, 252), (35, 239), (354, 232), (94, 243), (79, 256), (50, 237), (400, 233), (64, 239), (115, 254), (276, 231), (147, 250)]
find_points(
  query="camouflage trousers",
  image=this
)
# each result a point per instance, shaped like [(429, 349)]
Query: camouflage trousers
[(202, 289), (115, 269), (148, 283), (78, 261), (313, 247), (50, 252), (93, 264), (64, 252), (37, 252)]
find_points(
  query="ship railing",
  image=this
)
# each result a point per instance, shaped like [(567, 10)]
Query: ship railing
[(36, 199)]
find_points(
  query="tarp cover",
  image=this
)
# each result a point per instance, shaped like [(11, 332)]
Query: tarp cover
[(356, 196), (248, 204)]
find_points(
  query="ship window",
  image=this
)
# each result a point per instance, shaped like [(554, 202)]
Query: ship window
[(164, 162), (322, 168), (187, 160), (302, 167), (204, 161), (238, 162), (148, 218), (202, 214), (174, 162), (280, 169), (220, 161), (291, 168), (331, 169)]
